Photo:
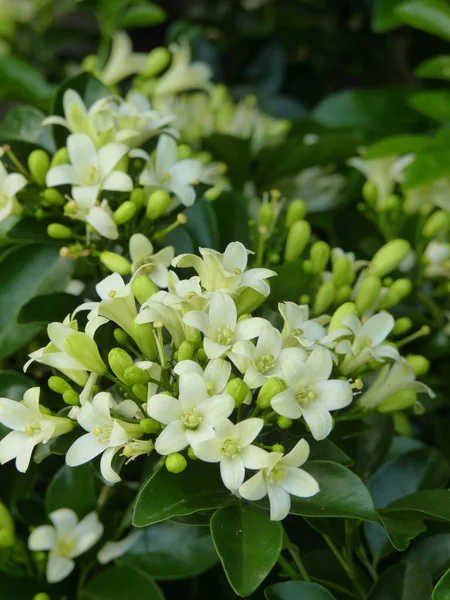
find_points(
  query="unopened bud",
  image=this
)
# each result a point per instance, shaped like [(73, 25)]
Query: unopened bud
[(71, 397), (42, 596), (368, 293), (119, 360), (58, 231), (349, 308), (176, 463), (277, 448), (134, 375), (90, 63), (186, 351), (7, 537), (191, 453), (398, 401), (213, 193), (419, 364), (370, 192), (52, 197), (137, 197), (143, 288), (296, 212), (437, 222), (195, 338), (157, 204), (389, 257), (184, 151), (239, 390), (201, 355), (38, 165), (391, 202), (402, 326), (324, 298), (140, 391), (343, 273), (125, 212), (61, 157), (82, 348), (144, 337), (269, 390), (58, 384), (343, 294), (120, 336), (398, 290), (157, 60), (115, 262), (284, 422), (266, 214), (150, 426), (248, 301), (297, 239)]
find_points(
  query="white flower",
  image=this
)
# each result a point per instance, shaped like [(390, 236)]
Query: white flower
[(216, 373), (122, 61), (90, 171), (170, 174), (220, 326), (189, 293), (106, 435), (154, 265), (160, 307), (310, 393), (191, 418), (438, 257), (182, 75), (9, 186), (67, 539), (281, 478), (86, 208), (232, 447), (113, 550), (298, 326), (30, 427)]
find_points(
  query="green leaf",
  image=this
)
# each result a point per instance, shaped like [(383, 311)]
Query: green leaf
[(384, 17), (232, 218), (431, 504), (297, 590), (202, 224), (45, 309), (289, 284), (437, 67), (432, 16), (26, 272), (401, 528), (144, 15), (18, 588), (372, 446), (24, 124), (428, 166), (165, 495), (432, 103), (396, 145), (248, 544), (432, 552), (403, 581), (442, 588), (117, 583), (234, 152), (72, 487), (22, 82), (13, 384), (169, 550)]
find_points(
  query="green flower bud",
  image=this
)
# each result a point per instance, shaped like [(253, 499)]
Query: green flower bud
[(437, 222), (125, 212), (61, 157), (71, 397), (239, 390), (419, 363), (343, 294), (145, 339), (368, 293), (157, 204), (58, 231), (389, 257), (201, 355), (343, 273), (213, 193), (119, 360), (402, 326), (38, 165), (307, 266), (176, 463), (115, 263), (244, 317), (398, 401), (42, 596), (123, 163), (204, 157), (284, 422), (277, 448), (157, 60), (324, 298), (52, 197), (391, 202), (137, 197), (7, 537), (184, 151), (150, 426), (120, 336), (398, 290), (319, 255), (296, 212), (191, 454), (402, 424), (186, 350), (297, 239), (370, 192), (90, 63), (248, 301), (269, 390), (140, 391), (134, 375), (82, 348), (58, 384), (346, 309), (305, 299), (143, 288), (196, 338), (266, 214)]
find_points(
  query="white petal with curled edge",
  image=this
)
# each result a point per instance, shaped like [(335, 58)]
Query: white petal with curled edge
[(254, 457), (61, 175), (164, 409), (102, 221), (217, 372), (198, 320), (377, 328), (299, 483), (318, 419), (280, 502), (42, 538), (24, 457), (140, 247), (117, 181), (254, 488), (171, 439), (235, 257), (14, 414), (12, 445), (13, 184), (213, 349), (285, 405), (112, 283), (232, 471), (334, 394), (298, 455), (84, 449), (319, 365), (58, 567), (106, 469)]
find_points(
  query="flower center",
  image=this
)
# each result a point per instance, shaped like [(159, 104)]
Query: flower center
[(298, 331), (166, 178), (365, 342), (112, 293), (191, 419), (33, 428), (102, 433), (92, 175), (276, 475), (265, 363), (305, 396), (65, 546), (224, 335), (237, 271), (230, 448)]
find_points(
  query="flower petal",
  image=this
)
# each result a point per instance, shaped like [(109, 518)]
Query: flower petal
[(164, 409), (208, 451), (297, 456), (319, 365), (299, 483), (254, 457), (87, 533), (254, 488), (192, 390), (166, 154), (249, 328), (42, 538), (197, 319), (217, 373), (12, 445), (285, 405), (247, 430), (84, 449), (171, 439), (215, 408), (82, 154), (13, 184), (140, 247), (280, 502), (14, 414), (64, 519), (377, 328), (235, 257), (222, 312), (109, 156), (102, 221), (58, 568), (232, 471), (213, 349), (117, 181), (61, 175), (318, 419), (334, 393)]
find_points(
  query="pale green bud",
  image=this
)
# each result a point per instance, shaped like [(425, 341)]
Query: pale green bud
[(284, 422), (140, 391), (402, 424), (82, 348), (7, 537), (144, 337), (120, 336), (176, 463), (143, 288), (119, 360), (137, 197), (277, 448), (419, 363), (349, 308), (437, 222), (213, 193), (343, 273), (150, 426), (324, 297), (266, 214), (391, 202), (239, 390), (319, 255), (115, 262), (134, 375), (191, 453), (203, 156), (186, 351), (58, 384), (125, 212), (195, 338), (123, 163), (61, 157), (71, 397), (368, 293), (157, 204), (38, 165), (297, 239), (42, 596), (402, 326), (90, 63), (389, 257), (343, 294), (307, 266), (398, 290), (269, 390), (52, 197), (296, 212), (370, 192), (157, 60), (305, 299), (57, 231), (248, 301), (398, 401), (184, 151)]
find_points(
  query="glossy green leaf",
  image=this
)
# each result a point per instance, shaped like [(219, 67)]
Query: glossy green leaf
[(383, 15), (24, 124), (45, 309), (401, 528), (117, 583), (432, 504), (202, 224), (234, 152), (403, 581), (432, 552), (297, 590), (397, 145), (72, 487), (232, 218), (437, 67), (428, 166), (22, 82), (26, 272), (432, 16), (165, 495), (432, 103), (248, 544), (371, 447), (14, 384), (144, 15), (442, 588), (170, 550)]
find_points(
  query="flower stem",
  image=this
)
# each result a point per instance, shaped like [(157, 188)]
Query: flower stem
[(335, 586), (293, 551), (349, 569), (288, 568)]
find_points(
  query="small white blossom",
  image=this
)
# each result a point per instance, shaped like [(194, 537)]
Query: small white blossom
[(122, 61), (9, 186), (216, 373), (152, 264), (113, 550), (298, 328), (183, 75)]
